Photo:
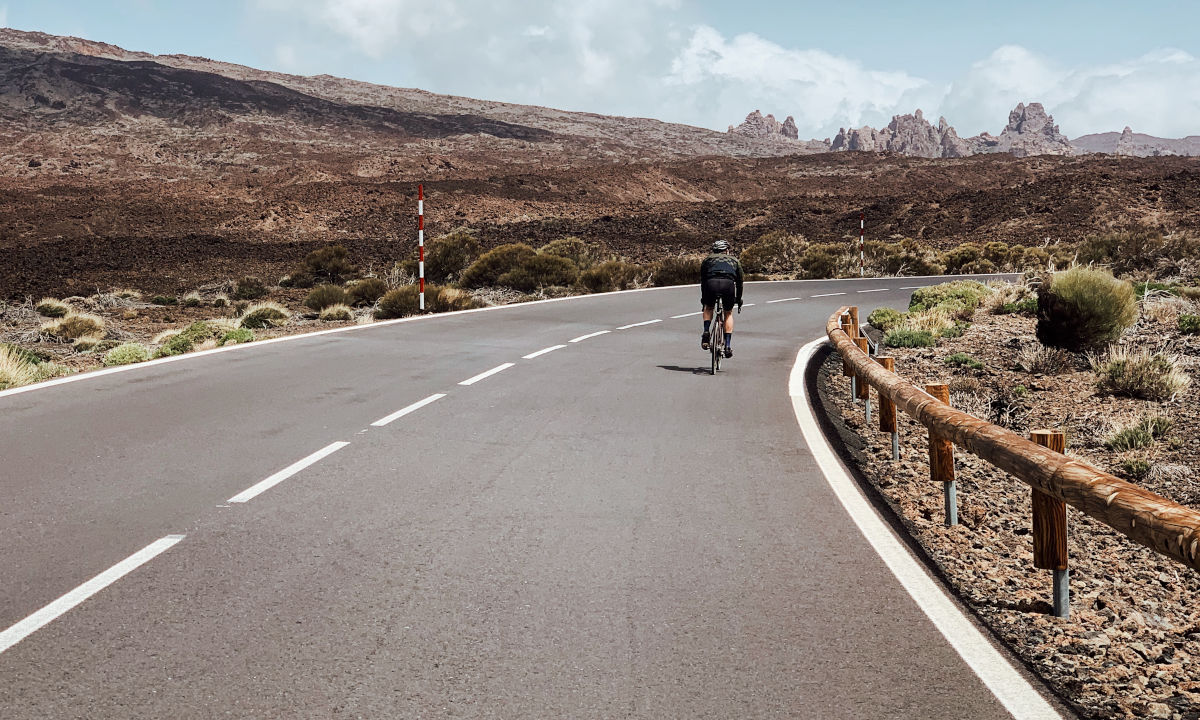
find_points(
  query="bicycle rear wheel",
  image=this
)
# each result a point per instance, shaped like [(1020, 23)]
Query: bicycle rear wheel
[(716, 346)]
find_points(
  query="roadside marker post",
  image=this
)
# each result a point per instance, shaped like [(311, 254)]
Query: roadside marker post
[(421, 242), (941, 459), (862, 244)]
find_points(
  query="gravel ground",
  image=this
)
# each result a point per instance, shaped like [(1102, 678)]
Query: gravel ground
[(1131, 648)]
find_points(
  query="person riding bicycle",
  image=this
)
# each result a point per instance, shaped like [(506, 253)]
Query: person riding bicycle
[(720, 277)]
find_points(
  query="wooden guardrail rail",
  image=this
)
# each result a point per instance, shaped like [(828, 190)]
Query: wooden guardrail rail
[(1160, 524)]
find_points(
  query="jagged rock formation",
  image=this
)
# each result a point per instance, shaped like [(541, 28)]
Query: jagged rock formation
[(766, 128), (907, 135), (1030, 131)]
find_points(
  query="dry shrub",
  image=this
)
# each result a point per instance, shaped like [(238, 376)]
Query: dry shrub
[(775, 252), (885, 318), (613, 275), (14, 369), (540, 271), (1084, 308), (192, 299), (405, 301), (249, 288), (127, 354), (324, 296), (52, 308), (446, 257), (934, 321), (1163, 308), (1139, 373), (337, 312), (1005, 294), (1041, 360), (487, 270), (365, 291), (684, 270), (264, 315), (73, 326), (581, 252)]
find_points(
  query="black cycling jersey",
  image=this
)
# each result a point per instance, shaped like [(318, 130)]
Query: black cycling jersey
[(722, 265)]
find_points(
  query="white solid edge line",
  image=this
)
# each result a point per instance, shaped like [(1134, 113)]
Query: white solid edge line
[(543, 351), (486, 374), (260, 487), (633, 325), (43, 617), (829, 295), (1013, 691), (589, 335), (385, 323), (783, 300), (676, 317), (874, 290), (406, 410)]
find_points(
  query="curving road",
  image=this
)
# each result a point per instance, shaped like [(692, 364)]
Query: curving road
[(597, 530)]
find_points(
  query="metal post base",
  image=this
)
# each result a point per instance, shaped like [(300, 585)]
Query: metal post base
[(1062, 593), (854, 388), (868, 418), (951, 493), (895, 446)]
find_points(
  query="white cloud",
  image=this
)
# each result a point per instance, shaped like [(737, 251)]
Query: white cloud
[(651, 58)]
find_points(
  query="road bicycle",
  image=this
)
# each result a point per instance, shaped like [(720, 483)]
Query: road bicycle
[(716, 345)]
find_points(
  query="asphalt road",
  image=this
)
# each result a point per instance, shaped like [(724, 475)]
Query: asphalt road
[(597, 531)]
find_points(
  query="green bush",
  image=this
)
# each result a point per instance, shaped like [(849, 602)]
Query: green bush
[(959, 298), (26, 355), (584, 254), (956, 330), (365, 291), (127, 354), (1140, 434), (324, 296), (823, 261), (885, 318), (405, 301), (960, 359), (1134, 468), (74, 325), (486, 271), (164, 300), (330, 264), (337, 313), (539, 271), (237, 337), (1189, 324), (1026, 306), (446, 257), (249, 288), (903, 337), (192, 299), (221, 301), (959, 257), (176, 345), (610, 276), (264, 315), (1139, 374), (52, 308), (683, 270), (775, 252), (1084, 308)]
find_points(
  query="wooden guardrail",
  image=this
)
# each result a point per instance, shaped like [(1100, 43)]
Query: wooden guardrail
[(1160, 524)]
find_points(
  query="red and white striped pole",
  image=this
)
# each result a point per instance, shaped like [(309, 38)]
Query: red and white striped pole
[(862, 244), (421, 240)]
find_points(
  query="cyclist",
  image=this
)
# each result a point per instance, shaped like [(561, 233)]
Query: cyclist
[(720, 276)]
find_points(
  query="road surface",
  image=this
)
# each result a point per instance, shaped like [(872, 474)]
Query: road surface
[(542, 522)]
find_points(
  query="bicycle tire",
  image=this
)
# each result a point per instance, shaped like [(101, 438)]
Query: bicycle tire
[(718, 337)]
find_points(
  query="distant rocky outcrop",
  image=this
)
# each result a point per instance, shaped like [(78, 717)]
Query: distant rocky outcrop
[(766, 128), (1030, 131)]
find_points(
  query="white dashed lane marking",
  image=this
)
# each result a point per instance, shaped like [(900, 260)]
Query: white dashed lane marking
[(258, 488), (406, 410), (581, 338), (875, 290), (676, 317), (532, 355), (633, 325), (783, 300), (487, 374), (828, 295)]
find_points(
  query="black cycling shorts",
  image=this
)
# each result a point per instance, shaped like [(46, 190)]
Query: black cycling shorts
[(713, 288)]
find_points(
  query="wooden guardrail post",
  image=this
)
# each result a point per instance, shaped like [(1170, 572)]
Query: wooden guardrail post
[(851, 328), (941, 459), (1050, 530), (854, 321), (862, 390), (847, 368), (887, 409)]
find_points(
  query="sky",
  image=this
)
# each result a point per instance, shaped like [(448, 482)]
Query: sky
[(1097, 66)]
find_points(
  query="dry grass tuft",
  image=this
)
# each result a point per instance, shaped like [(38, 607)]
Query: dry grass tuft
[(1139, 373), (73, 326)]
